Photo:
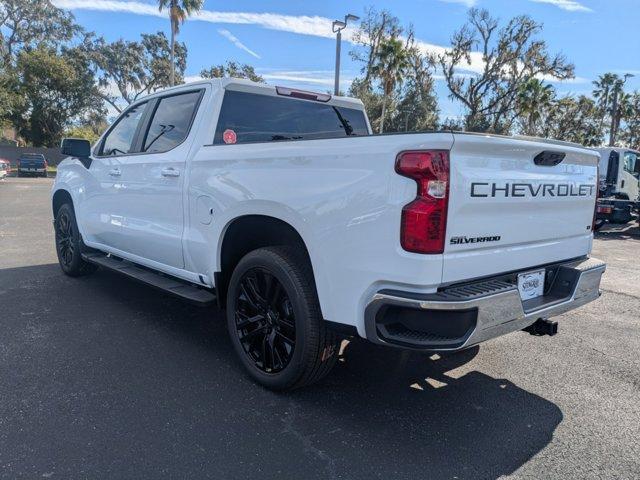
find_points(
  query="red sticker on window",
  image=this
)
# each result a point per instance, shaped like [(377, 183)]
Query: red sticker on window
[(229, 136)]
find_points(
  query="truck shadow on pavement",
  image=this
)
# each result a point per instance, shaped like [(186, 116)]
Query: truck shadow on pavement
[(107, 376), (627, 231)]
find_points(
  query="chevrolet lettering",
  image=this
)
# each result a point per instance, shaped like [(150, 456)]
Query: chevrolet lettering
[(491, 189)]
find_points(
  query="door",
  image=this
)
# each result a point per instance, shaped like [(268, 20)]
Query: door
[(151, 182), (100, 211)]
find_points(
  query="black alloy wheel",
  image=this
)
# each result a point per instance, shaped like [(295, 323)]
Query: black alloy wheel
[(69, 245), (274, 319), (265, 321), (64, 239)]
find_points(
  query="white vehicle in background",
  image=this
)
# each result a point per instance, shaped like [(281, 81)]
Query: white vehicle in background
[(281, 206), (618, 184)]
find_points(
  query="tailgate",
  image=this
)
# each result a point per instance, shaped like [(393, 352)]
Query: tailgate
[(509, 211)]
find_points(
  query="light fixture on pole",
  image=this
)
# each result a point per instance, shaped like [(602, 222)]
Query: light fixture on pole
[(338, 26)]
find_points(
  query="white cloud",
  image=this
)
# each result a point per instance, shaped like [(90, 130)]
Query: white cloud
[(306, 77), (303, 25), (233, 39), (569, 5), (466, 3)]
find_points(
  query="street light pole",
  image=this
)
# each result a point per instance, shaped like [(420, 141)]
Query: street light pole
[(336, 82), (337, 27)]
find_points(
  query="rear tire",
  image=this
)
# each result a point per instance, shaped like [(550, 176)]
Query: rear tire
[(69, 244), (274, 320)]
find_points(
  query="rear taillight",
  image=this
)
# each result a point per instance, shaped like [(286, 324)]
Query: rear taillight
[(424, 220)]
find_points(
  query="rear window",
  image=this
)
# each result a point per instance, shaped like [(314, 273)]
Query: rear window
[(248, 117)]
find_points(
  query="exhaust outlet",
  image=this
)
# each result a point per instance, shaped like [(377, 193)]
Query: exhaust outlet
[(543, 326)]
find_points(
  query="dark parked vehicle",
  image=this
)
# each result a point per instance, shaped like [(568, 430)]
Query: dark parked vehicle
[(34, 164)]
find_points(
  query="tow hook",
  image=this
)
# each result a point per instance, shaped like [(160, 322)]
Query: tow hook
[(543, 326)]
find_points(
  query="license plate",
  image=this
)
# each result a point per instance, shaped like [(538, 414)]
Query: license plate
[(531, 284)]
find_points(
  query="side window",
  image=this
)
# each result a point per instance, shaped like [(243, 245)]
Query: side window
[(249, 117), (630, 159), (171, 122), (120, 139)]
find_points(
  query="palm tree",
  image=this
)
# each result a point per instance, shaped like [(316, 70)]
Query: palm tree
[(179, 10), (534, 97), (602, 92), (392, 61), (623, 110)]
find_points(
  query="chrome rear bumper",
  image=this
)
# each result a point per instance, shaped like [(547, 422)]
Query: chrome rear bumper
[(483, 310)]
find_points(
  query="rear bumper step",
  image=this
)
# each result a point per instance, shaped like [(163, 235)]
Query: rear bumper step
[(184, 290), (464, 315)]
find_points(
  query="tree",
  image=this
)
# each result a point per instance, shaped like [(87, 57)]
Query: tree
[(412, 105), (391, 63), (232, 69), (374, 29), (612, 101), (630, 132), (89, 127), (56, 87), (31, 23), (534, 99), (10, 101), (573, 120), (179, 10), (509, 58), (416, 108), (134, 68), (602, 94)]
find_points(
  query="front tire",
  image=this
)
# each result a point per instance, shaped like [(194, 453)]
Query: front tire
[(69, 245), (274, 320)]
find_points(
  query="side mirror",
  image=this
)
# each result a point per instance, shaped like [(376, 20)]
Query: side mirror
[(75, 147)]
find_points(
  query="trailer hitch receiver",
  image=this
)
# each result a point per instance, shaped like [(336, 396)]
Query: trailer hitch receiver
[(543, 326)]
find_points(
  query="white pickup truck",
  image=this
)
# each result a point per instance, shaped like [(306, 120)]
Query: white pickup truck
[(282, 207)]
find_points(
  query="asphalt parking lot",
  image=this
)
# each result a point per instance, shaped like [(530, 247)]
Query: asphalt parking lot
[(101, 377)]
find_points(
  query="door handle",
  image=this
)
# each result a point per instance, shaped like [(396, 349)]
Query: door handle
[(170, 172), (115, 172)]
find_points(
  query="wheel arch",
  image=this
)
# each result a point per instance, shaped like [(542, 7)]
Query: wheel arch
[(60, 197), (240, 236)]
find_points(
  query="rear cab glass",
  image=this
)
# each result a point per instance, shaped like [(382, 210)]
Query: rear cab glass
[(171, 121), (249, 117)]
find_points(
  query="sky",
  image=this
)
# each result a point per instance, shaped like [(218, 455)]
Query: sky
[(290, 42)]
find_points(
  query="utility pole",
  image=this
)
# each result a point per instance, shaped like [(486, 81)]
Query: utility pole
[(337, 27), (617, 88)]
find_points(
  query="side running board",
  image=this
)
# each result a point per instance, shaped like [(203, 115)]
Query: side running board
[(184, 290)]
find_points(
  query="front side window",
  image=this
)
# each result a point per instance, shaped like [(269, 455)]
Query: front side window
[(630, 159), (171, 122), (263, 118), (119, 140)]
